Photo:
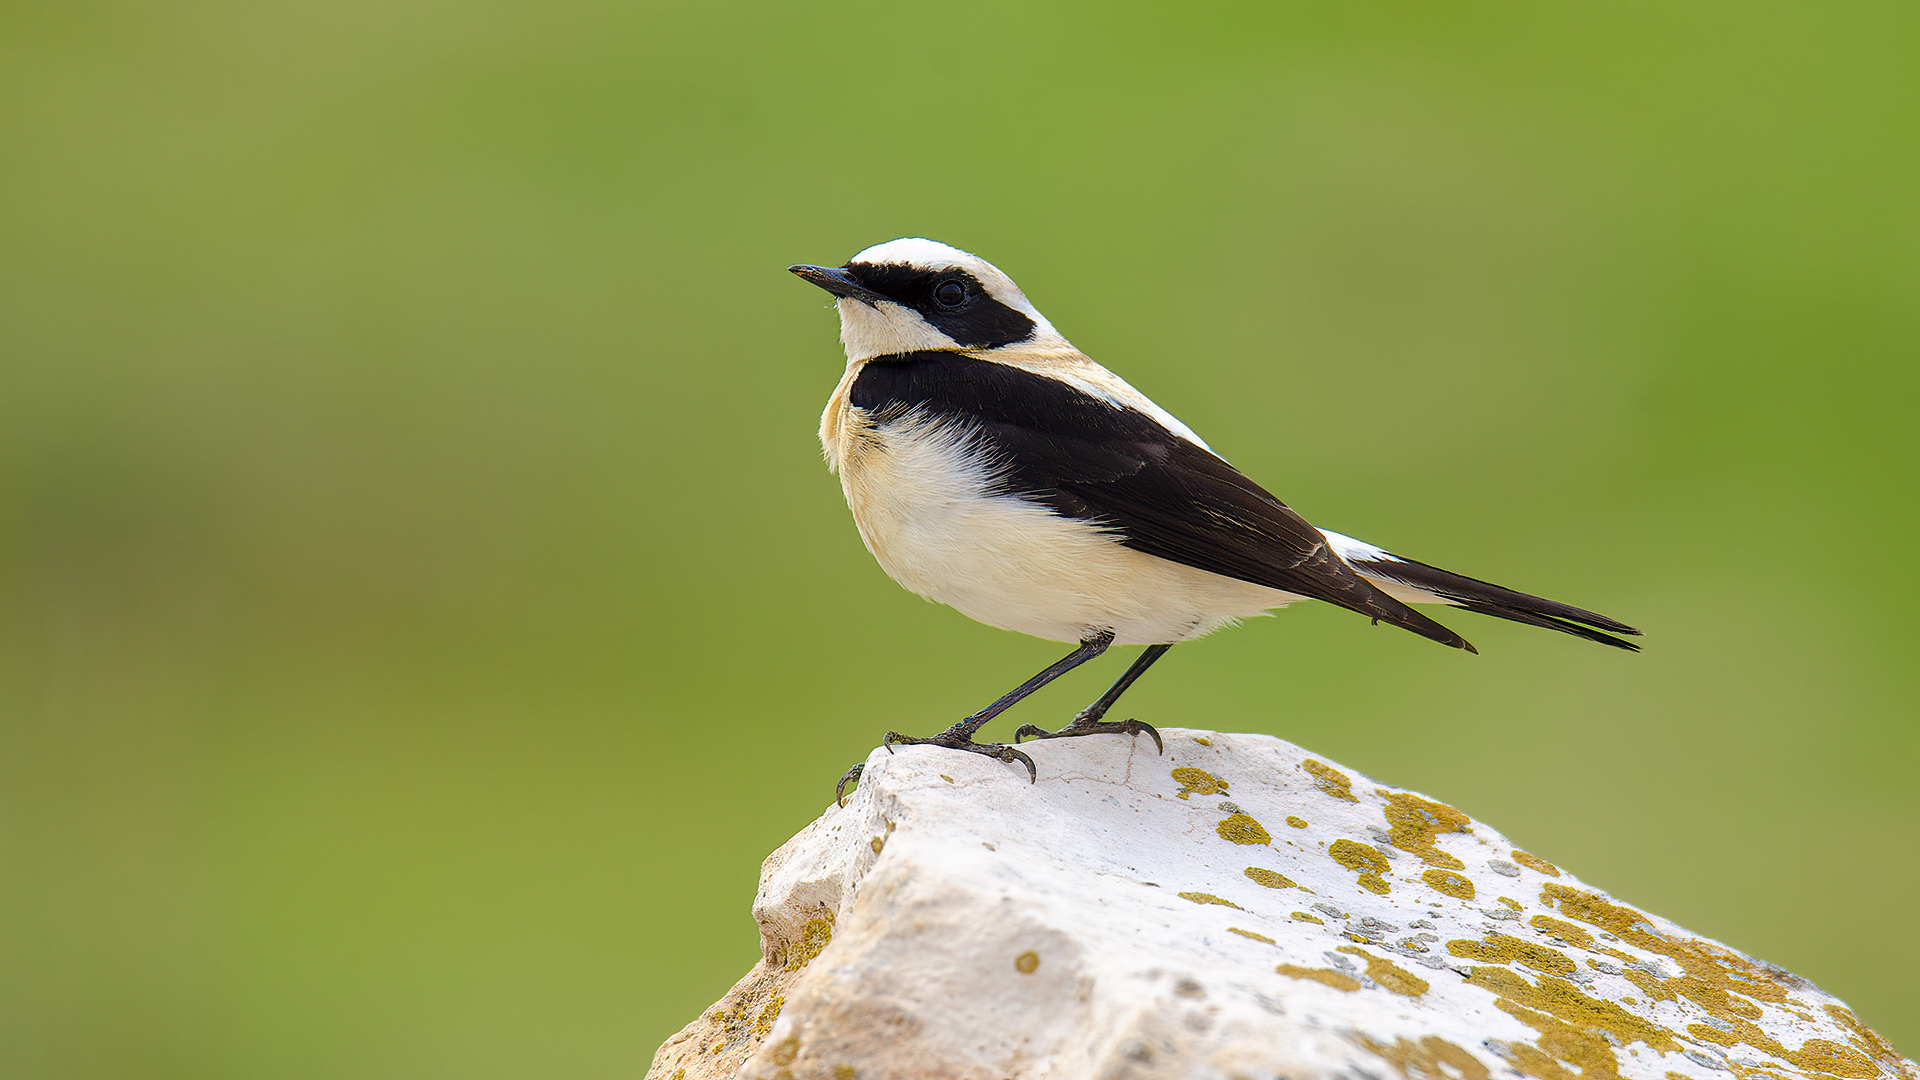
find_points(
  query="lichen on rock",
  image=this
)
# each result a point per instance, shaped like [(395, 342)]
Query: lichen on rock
[(1105, 922)]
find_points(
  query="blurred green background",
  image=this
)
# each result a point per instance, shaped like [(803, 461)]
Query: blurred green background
[(422, 602)]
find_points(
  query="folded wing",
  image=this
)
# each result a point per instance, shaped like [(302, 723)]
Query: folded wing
[(1089, 458)]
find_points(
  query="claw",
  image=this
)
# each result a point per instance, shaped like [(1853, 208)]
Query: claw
[(1009, 755), (1082, 725), (1138, 727), (840, 789), (960, 737)]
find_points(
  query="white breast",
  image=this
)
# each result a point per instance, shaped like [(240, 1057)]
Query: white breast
[(922, 498)]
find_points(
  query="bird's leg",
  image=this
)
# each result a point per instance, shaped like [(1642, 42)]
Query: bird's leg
[(960, 735), (1090, 722)]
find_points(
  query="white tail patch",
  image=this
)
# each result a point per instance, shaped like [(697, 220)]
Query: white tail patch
[(1365, 557)]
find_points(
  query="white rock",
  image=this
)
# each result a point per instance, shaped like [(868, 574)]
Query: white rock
[(1232, 909)]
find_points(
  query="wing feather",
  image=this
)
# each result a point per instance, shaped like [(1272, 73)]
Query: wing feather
[(1087, 458)]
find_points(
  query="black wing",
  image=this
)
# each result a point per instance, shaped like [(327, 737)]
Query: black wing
[(1086, 458)]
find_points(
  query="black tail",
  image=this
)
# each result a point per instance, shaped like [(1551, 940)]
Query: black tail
[(1324, 575), (1490, 599)]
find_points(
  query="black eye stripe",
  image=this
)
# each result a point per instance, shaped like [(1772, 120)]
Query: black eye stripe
[(975, 321)]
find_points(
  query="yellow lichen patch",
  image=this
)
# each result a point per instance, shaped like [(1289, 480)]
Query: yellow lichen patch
[(1827, 1056), (814, 936), (1714, 998), (877, 843), (1242, 829), (1815, 1055), (1326, 976), (1249, 933), (1027, 962), (763, 1026), (784, 1051), (1432, 1058), (1296, 822), (1330, 780), (1198, 782), (1416, 822), (1529, 1061), (1535, 862), (1263, 876), (1566, 933), (1715, 975), (1357, 856), (947, 778), (1203, 740), (1560, 1041), (1650, 984), (1510, 902), (1869, 1040), (1389, 974), (1301, 916), (1458, 886), (843, 1072), (1362, 857), (1712, 1034), (1502, 949), (1209, 898), (1562, 1000)]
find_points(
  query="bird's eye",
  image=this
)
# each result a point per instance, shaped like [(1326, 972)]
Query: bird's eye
[(950, 294)]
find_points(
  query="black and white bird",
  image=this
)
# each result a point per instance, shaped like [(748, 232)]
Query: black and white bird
[(992, 467)]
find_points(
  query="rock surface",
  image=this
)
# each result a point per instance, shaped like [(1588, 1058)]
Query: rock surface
[(1235, 908)]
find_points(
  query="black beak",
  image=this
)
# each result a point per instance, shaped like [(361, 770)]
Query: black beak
[(836, 281)]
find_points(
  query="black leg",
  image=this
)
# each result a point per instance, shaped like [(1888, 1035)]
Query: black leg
[(960, 735), (1089, 721), (1098, 710), (1088, 649)]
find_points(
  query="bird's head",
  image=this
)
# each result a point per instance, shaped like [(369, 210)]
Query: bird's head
[(912, 295)]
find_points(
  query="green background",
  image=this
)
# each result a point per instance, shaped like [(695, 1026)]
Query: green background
[(422, 602)]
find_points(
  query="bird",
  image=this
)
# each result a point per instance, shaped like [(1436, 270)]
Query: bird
[(992, 467)]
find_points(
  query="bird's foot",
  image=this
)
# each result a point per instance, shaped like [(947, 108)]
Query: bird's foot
[(960, 737), (1087, 725), (840, 789)]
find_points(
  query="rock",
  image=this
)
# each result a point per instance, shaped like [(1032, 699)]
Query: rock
[(1235, 908)]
